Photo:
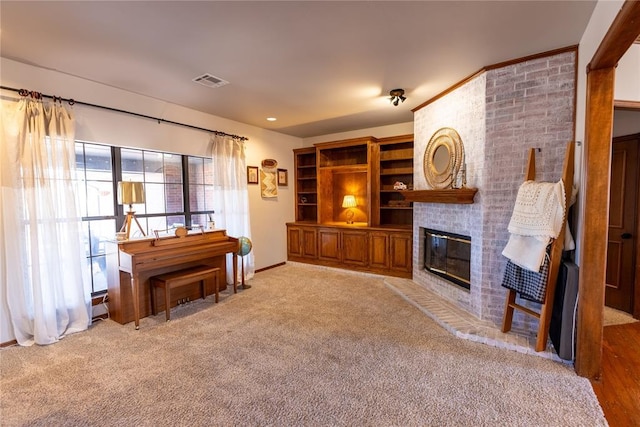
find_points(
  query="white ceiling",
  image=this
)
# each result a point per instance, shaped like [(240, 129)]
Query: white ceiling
[(319, 67)]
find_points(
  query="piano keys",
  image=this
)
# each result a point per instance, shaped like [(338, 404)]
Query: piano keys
[(130, 264)]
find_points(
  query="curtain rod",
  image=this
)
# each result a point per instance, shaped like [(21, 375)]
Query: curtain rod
[(37, 95)]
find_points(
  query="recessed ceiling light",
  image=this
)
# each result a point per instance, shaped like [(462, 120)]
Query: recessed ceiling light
[(271, 119)]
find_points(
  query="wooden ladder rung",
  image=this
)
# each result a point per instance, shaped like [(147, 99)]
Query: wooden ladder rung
[(525, 309)]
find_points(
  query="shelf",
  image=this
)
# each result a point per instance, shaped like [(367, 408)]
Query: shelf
[(449, 195), (306, 166), (347, 168), (344, 153), (390, 153), (307, 204), (308, 192), (396, 207), (309, 178), (397, 171), (395, 159)]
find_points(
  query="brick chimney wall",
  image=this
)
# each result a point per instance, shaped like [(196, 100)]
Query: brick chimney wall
[(499, 115)]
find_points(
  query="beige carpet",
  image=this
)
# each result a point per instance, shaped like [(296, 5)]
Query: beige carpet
[(303, 347), (617, 317)]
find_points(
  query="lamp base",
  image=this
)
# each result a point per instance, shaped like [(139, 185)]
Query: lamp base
[(126, 226), (349, 216)]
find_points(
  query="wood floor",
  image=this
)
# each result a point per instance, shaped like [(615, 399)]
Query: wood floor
[(618, 390)]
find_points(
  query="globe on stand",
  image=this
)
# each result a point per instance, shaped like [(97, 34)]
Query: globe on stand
[(244, 249)]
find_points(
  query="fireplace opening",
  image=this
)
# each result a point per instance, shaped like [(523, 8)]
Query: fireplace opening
[(448, 255)]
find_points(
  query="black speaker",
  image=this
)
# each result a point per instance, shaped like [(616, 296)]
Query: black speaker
[(562, 329)]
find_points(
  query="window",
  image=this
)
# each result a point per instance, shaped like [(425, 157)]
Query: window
[(95, 187), (200, 189), (161, 174), (178, 191)]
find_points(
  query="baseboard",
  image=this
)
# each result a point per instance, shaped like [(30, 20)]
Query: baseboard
[(270, 267)]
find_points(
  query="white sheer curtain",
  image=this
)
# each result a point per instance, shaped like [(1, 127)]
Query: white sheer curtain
[(40, 228), (231, 196)]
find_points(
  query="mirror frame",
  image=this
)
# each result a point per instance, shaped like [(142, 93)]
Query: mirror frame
[(445, 178)]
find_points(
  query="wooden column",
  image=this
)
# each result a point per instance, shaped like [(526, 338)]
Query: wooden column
[(597, 152)]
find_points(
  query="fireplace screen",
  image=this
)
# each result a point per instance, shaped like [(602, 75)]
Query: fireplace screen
[(449, 256)]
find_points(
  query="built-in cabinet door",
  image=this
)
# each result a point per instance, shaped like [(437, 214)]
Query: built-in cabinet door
[(302, 242), (401, 253), (294, 243), (379, 250), (354, 247), (329, 244), (309, 243)]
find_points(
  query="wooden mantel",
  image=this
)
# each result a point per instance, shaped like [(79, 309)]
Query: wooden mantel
[(449, 195)]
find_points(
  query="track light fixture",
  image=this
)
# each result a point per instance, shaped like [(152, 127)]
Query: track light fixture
[(397, 95)]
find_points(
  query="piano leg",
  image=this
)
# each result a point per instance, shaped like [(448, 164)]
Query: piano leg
[(135, 291)]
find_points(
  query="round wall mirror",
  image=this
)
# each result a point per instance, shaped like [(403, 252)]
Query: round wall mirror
[(443, 158)]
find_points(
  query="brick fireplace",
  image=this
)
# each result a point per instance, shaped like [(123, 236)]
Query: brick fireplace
[(499, 114)]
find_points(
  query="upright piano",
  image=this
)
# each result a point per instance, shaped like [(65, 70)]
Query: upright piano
[(130, 264)]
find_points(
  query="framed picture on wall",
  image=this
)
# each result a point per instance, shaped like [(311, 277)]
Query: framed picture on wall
[(252, 174), (283, 177)]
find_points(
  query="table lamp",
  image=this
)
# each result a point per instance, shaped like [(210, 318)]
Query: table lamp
[(349, 201), (129, 193)]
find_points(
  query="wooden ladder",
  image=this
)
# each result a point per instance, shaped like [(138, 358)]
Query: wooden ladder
[(544, 315)]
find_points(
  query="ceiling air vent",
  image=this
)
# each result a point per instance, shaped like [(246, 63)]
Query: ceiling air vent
[(210, 80)]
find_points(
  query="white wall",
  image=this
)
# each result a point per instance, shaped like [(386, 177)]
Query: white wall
[(627, 88), (268, 216), (626, 122), (628, 76)]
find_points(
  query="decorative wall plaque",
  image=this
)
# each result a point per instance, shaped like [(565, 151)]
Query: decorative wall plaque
[(443, 158)]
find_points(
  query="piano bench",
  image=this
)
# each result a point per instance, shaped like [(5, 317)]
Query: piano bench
[(178, 278)]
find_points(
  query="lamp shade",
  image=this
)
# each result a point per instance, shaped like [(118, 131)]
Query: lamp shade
[(130, 192), (349, 201)]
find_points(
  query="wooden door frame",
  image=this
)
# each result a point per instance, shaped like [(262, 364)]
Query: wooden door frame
[(636, 285), (596, 185), (636, 289), (635, 292)]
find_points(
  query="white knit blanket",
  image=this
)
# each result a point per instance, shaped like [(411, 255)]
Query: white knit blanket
[(537, 217), (526, 251), (539, 209)]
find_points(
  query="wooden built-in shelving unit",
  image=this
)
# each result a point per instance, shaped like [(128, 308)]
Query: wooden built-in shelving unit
[(380, 239), (396, 165), (306, 186)]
